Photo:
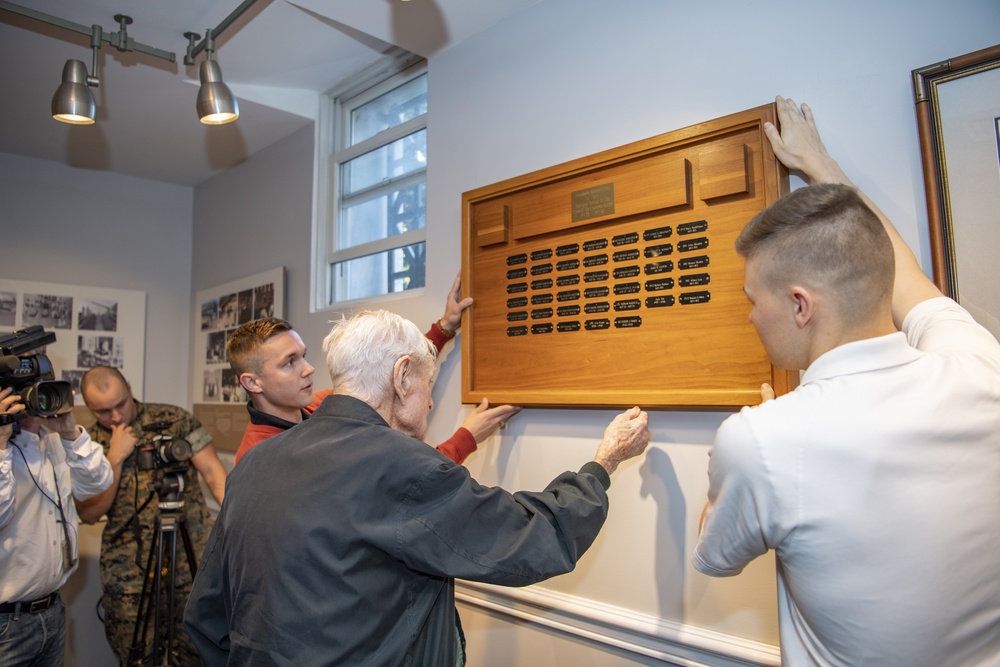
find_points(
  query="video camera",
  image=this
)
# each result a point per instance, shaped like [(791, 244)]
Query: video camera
[(168, 457), (32, 376)]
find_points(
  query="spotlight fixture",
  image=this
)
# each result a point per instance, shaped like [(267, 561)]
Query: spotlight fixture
[(216, 104), (72, 102)]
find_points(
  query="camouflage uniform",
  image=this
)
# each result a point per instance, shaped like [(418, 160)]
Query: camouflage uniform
[(127, 539)]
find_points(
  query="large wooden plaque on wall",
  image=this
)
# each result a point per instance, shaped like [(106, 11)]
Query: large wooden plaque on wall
[(612, 280)]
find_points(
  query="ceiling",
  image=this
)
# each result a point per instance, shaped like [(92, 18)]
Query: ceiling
[(276, 57)]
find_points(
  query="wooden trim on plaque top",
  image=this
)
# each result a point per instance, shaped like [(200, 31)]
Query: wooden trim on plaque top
[(612, 280)]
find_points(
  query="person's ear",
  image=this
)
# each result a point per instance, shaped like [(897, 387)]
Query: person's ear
[(803, 305), (401, 376), (250, 382)]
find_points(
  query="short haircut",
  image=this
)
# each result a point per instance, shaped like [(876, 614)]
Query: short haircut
[(824, 235), (100, 377), (243, 346), (361, 352)]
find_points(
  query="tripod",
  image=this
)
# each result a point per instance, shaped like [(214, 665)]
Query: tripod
[(169, 522)]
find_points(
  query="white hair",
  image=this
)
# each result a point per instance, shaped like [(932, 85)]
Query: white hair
[(362, 350)]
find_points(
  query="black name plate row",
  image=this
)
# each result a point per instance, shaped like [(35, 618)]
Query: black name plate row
[(687, 251)]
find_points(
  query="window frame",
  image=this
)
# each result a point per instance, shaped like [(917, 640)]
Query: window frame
[(332, 135)]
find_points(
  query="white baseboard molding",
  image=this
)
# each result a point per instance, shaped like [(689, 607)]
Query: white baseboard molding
[(675, 643)]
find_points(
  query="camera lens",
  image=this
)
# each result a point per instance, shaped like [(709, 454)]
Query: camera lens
[(48, 398), (176, 451)]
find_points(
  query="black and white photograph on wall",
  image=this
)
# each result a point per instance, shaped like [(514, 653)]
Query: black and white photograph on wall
[(215, 351), (263, 301), (246, 306), (97, 315), (73, 377), (48, 310), (232, 390), (92, 326), (221, 310), (100, 351), (212, 388), (210, 314), (8, 309), (228, 311)]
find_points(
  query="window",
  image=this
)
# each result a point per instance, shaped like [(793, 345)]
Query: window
[(372, 233)]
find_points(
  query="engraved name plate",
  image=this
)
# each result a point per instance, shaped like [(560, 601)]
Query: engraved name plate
[(625, 239), (660, 301), (626, 255), (541, 269), (593, 202), (567, 311), (695, 297), (597, 325), (566, 281), (517, 302), (627, 288), (659, 250), (568, 249), (657, 233), (692, 227), (659, 267), (699, 262), (694, 280), (630, 322), (692, 244), (659, 284)]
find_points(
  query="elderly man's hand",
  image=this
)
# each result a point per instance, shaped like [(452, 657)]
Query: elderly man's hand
[(625, 437)]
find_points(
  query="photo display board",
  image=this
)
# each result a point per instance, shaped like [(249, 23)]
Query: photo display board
[(613, 280)]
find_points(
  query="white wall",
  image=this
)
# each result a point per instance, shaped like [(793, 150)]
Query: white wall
[(67, 225), (565, 79)]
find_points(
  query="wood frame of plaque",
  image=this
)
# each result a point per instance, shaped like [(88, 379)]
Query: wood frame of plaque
[(612, 280)]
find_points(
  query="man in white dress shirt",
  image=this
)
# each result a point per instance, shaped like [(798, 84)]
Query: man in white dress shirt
[(46, 464), (875, 481)]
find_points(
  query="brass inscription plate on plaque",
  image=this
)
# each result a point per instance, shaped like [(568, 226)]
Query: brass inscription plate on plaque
[(594, 202), (627, 292)]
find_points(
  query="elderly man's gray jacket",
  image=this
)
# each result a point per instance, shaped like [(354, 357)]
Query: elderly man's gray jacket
[(339, 541)]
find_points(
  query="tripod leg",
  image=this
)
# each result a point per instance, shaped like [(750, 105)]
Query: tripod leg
[(137, 652), (171, 588)]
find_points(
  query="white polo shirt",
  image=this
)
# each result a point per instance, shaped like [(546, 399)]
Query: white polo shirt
[(877, 483)]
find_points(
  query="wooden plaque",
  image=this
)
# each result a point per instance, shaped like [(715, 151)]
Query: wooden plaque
[(612, 280)]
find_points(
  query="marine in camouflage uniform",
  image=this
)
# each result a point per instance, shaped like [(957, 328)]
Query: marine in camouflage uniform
[(131, 528)]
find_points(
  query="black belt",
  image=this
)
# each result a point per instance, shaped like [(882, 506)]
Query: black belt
[(29, 606)]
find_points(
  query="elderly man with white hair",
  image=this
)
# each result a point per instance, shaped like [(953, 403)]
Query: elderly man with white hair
[(340, 539)]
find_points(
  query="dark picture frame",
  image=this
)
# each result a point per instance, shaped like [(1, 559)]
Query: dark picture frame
[(957, 124)]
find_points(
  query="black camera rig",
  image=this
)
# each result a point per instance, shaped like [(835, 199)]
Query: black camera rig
[(167, 457), (32, 376)]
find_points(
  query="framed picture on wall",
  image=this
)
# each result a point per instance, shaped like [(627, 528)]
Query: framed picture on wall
[(94, 326), (958, 120)]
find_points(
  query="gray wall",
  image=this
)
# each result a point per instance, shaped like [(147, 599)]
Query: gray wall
[(67, 225)]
